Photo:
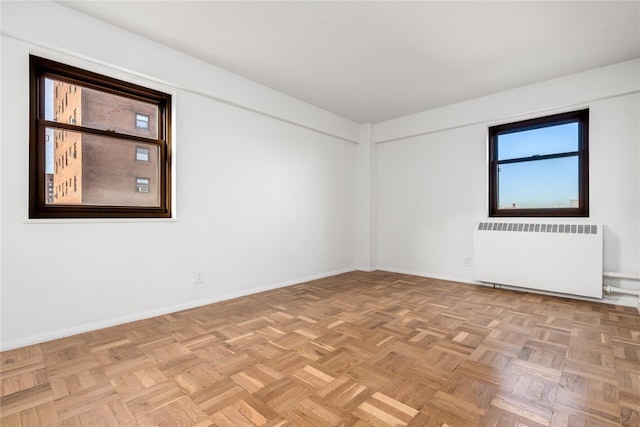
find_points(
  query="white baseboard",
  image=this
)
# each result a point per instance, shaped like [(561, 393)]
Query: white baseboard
[(623, 300), (366, 269), (429, 275), (61, 333)]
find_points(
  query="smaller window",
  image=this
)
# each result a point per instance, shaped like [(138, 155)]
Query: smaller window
[(142, 185), (142, 154), (540, 167), (142, 121)]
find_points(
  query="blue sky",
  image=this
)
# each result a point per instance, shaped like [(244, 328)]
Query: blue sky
[(540, 183)]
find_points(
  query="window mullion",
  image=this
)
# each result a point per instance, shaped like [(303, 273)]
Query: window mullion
[(99, 132), (539, 157)]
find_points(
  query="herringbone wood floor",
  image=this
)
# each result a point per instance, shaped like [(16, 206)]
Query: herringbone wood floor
[(355, 349)]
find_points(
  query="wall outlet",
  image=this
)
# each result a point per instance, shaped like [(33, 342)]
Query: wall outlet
[(467, 261), (198, 277)]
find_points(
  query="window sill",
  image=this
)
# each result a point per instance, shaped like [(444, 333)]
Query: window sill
[(96, 220)]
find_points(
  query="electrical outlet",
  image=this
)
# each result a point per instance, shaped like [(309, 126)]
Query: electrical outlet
[(467, 261), (198, 277)]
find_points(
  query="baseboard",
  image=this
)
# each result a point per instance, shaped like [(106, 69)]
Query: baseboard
[(622, 300), (62, 333), (626, 301), (429, 275), (365, 269)]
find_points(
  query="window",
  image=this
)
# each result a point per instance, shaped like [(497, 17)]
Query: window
[(540, 167), (101, 142), (142, 154), (142, 185), (142, 121)]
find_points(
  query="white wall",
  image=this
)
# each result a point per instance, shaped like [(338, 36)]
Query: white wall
[(263, 198), (432, 171), (271, 191)]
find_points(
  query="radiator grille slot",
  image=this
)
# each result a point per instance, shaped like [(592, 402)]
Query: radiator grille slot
[(538, 228)]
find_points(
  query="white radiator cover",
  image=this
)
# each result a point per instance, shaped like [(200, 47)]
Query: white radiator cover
[(564, 258)]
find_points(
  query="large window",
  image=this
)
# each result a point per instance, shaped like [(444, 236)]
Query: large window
[(540, 167), (98, 147)]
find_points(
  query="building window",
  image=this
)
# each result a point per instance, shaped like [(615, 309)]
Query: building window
[(142, 154), (540, 167), (142, 185), (100, 143), (142, 121)]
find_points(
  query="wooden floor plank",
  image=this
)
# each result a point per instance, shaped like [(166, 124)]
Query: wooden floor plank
[(357, 349)]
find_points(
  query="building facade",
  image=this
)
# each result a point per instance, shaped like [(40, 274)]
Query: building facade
[(101, 170)]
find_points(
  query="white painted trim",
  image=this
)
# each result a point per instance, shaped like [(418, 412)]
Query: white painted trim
[(614, 300), (428, 275), (95, 220), (62, 333)]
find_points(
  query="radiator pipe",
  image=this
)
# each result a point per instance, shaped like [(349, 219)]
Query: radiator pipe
[(621, 275), (615, 290)]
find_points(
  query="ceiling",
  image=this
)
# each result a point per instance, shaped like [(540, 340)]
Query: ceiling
[(374, 61)]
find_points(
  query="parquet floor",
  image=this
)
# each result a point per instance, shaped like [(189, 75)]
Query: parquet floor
[(357, 349)]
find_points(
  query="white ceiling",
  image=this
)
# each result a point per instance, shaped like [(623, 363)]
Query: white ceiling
[(373, 61)]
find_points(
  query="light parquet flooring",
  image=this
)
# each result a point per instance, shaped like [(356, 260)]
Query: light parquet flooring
[(358, 349)]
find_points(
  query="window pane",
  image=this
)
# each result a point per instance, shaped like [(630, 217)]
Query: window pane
[(142, 154), (84, 169), (538, 184), (73, 104), (547, 140), (142, 121)]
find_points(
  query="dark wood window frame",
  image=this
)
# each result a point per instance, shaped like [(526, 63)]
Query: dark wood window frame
[(40, 69), (582, 118)]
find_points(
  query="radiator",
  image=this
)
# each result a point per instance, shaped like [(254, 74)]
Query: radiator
[(564, 258)]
